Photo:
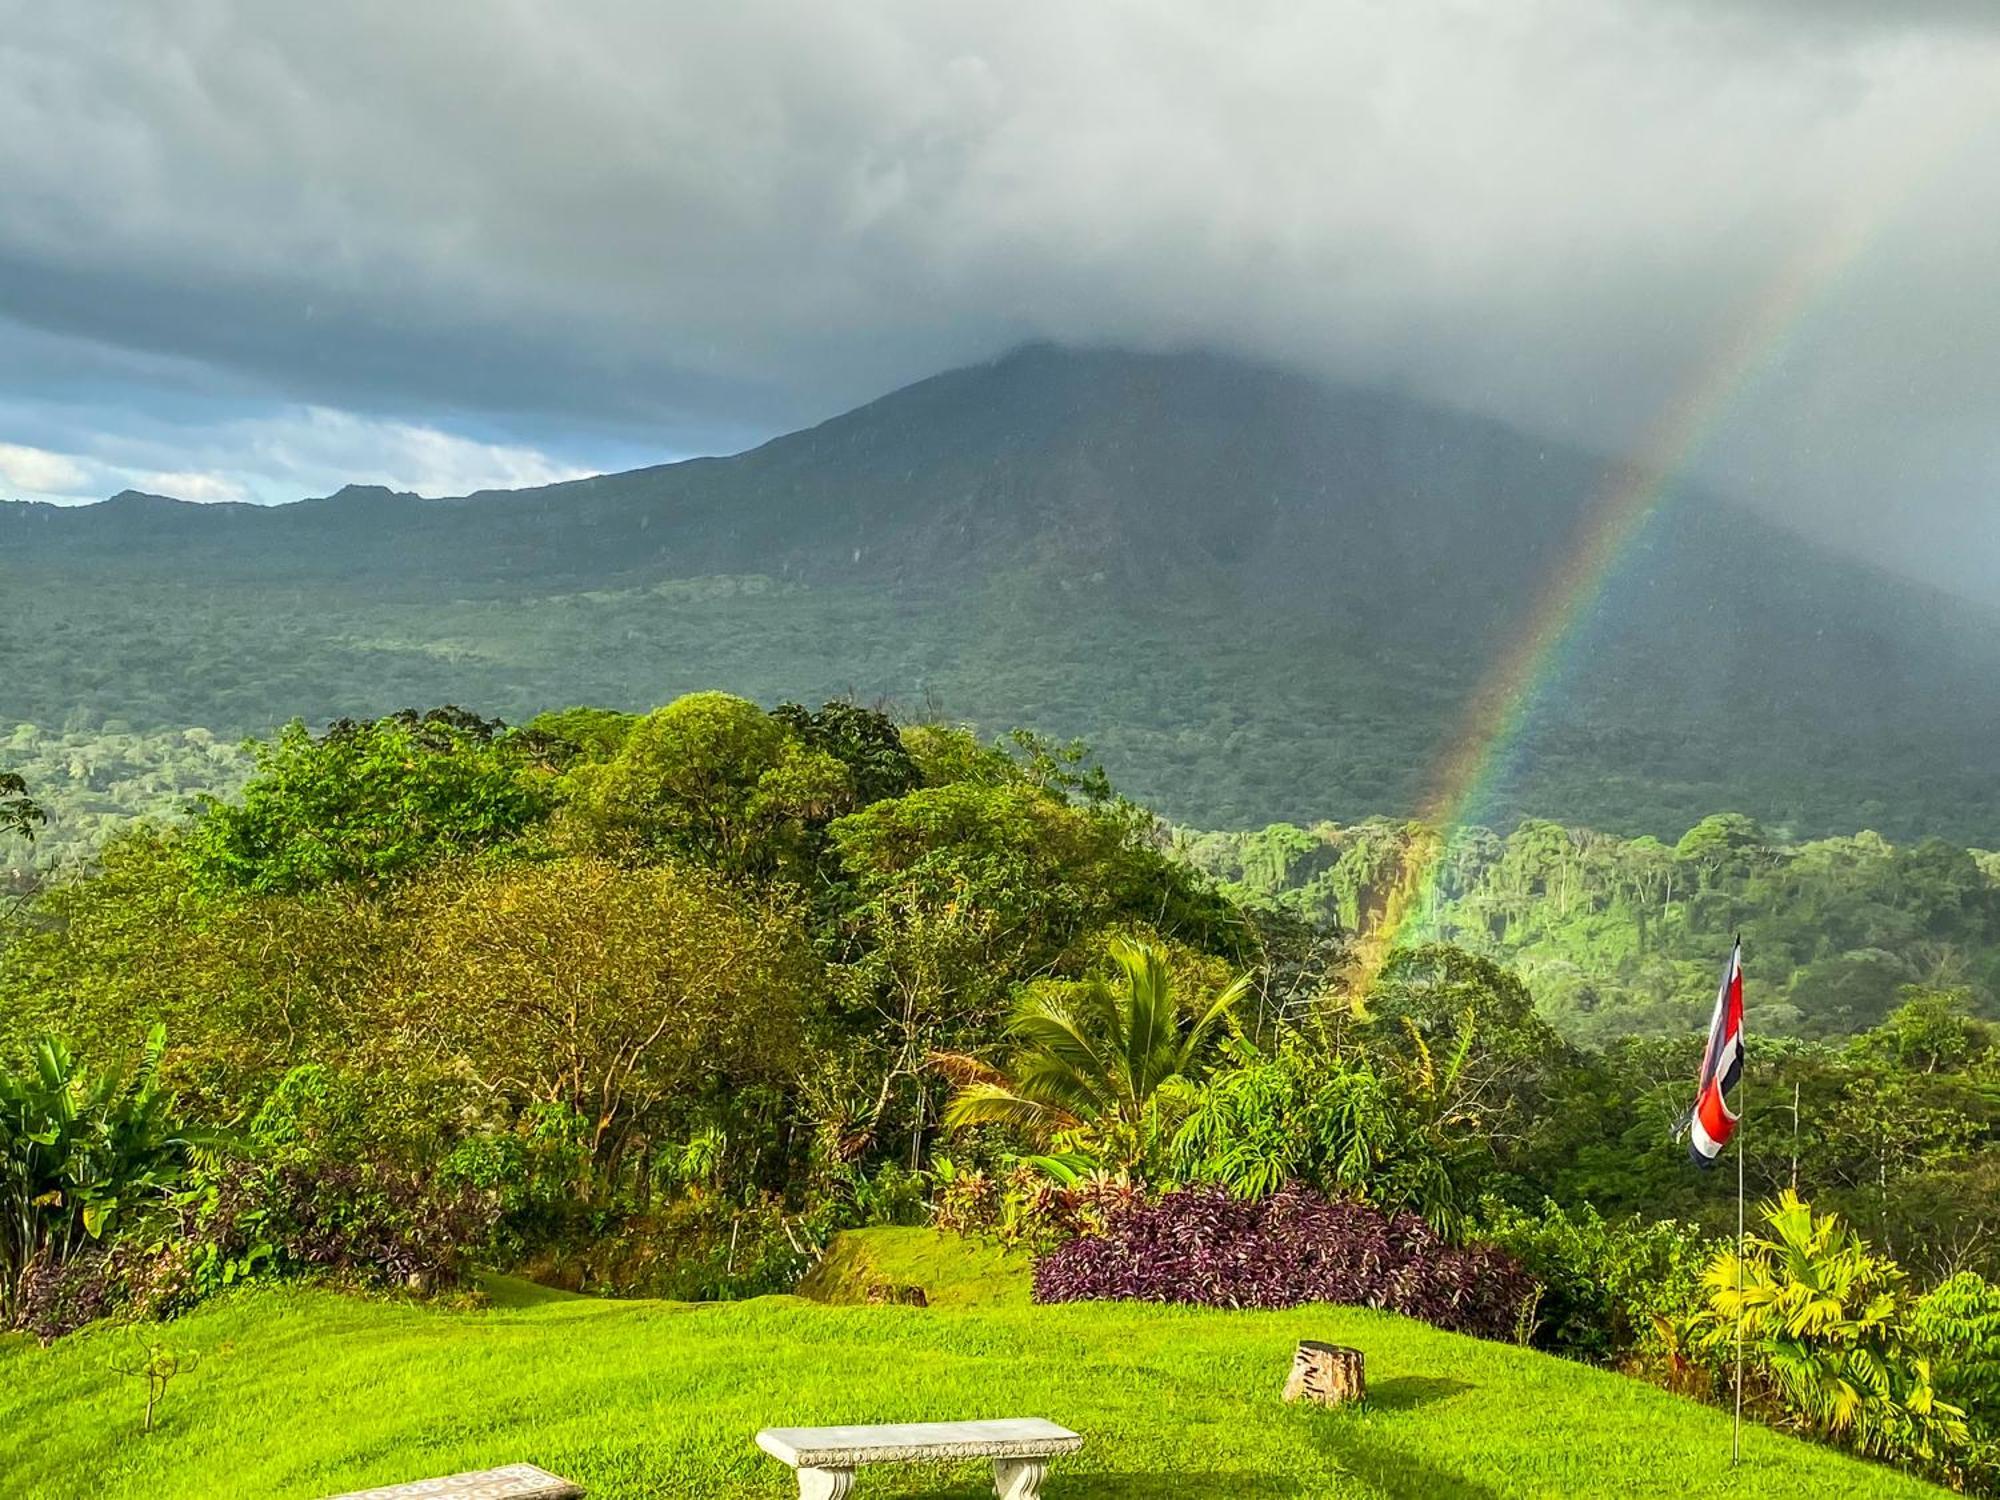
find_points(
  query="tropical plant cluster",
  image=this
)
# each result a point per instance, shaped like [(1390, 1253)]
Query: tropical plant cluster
[(1837, 1344)]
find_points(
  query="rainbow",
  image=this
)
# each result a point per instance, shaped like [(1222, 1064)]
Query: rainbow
[(1479, 750)]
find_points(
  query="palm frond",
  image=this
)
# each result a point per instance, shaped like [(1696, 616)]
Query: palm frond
[(962, 1068), (995, 1104)]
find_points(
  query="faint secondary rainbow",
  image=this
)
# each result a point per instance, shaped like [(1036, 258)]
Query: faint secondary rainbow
[(1477, 754)]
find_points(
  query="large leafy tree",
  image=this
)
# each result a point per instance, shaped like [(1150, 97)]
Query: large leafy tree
[(950, 897), (865, 741), (249, 985), (1091, 1062), (715, 779), (367, 802), (1461, 1035), (636, 998)]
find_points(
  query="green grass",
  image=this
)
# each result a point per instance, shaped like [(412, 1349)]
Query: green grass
[(303, 1393), (518, 1291), (952, 1272)]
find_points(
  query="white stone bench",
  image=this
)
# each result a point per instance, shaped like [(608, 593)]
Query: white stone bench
[(826, 1457), (514, 1482)]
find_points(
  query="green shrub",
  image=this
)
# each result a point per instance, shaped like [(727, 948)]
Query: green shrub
[(1829, 1342), (359, 1177), (1958, 1322), (1607, 1289), (887, 1195), (692, 1249), (1332, 1124), (81, 1157), (363, 1222), (1033, 1202)]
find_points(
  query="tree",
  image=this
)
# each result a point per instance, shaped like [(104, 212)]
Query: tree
[(594, 733), (1462, 1035), (1270, 856), (247, 984), (19, 814), (1932, 1030), (1093, 1060), (636, 997), (712, 778), (1720, 845), (367, 802), (864, 740)]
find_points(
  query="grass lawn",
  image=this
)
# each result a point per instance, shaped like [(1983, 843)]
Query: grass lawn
[(953, 1272), (302, 1393)]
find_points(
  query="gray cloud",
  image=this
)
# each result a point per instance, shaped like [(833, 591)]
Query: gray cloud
[(691, 226)]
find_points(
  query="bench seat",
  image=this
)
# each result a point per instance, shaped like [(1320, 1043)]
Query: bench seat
[(513, 1482), (826, 1457)]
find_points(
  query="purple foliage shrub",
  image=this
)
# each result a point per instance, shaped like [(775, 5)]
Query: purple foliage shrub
[(1203, 1247), (59, 1296)]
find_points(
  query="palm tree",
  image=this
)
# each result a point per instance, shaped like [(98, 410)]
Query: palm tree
[(1091, 1062), (1826, 1326)]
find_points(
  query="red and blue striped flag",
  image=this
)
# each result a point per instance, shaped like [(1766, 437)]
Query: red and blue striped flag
[(1711, 1125)]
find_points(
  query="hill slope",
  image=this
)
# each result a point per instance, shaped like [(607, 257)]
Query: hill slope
[(1259, 596), (300, 1394)]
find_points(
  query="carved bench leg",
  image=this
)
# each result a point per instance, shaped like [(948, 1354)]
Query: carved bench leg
[(1018, 1478), (825, 1484)]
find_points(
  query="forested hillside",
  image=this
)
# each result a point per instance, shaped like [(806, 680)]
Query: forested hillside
[(90, 783), (1614, 936), (1258, 596), (1620, 937)]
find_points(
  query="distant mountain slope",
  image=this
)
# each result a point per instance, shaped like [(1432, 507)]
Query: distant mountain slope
[(1258, 595)]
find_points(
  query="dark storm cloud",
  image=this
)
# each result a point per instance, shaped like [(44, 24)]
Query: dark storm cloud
[(701, 224)]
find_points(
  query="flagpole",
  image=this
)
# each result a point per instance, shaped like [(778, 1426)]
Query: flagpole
[(1742, 1150)]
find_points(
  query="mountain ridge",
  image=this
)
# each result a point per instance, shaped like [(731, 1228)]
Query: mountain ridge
[(1262, 595)]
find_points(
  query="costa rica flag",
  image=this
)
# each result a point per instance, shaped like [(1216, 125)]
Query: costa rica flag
[(1711, 1125)]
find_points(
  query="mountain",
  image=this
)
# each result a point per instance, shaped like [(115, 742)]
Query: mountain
[(1256, 594)]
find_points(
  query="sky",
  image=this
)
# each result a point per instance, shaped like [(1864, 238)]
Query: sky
[(254, 252)]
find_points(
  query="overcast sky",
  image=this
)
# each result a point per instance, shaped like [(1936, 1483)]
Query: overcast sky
[(256, 251)]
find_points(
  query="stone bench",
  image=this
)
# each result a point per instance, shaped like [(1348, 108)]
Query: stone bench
[(514, 1482), (826, 1457)]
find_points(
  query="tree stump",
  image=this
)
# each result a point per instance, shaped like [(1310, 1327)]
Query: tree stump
[(1330, 1374)]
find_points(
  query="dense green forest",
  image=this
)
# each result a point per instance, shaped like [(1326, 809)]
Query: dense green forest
[(1614, 937), (1258, 597), (656, 1003), (90, 782), (1619, 937)]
